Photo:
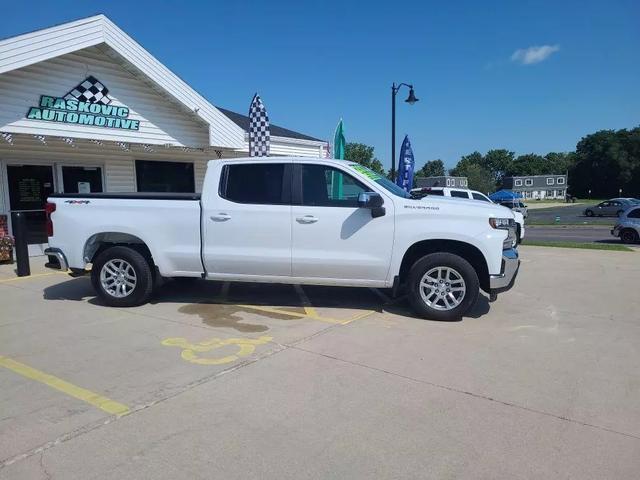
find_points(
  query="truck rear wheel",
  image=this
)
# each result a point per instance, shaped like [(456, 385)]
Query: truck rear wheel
[(442, 286), (122, 277)]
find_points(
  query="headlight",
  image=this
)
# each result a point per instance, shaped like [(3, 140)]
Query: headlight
[(501, 223), (509, 225)]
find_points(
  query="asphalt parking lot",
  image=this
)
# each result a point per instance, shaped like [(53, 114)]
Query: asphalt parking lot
[(218, 380), (567, 214), (571, 233)]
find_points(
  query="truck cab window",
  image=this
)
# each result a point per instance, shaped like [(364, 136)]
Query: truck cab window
[(459, 194), (253, 183), (326, 186), (477, 196)]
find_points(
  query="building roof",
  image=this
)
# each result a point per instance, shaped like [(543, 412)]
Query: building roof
[(243, 122)]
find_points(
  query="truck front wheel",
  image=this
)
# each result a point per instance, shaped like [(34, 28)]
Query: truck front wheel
[(122, 277), (442, 286)]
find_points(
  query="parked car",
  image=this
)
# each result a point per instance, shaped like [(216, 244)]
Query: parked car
[(628, 226), (612, 208), (285, 220), (517, 206), (472, 195)]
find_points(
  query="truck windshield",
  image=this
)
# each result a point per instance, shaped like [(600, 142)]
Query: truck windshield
[(384, 182)]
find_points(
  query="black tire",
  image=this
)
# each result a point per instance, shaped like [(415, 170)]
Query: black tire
[(422, 266), (518, 239), (589, 213), (629, 236), (143, 273)]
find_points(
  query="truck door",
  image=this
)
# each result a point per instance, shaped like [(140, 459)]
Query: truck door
[(332, 237), (247, 220)]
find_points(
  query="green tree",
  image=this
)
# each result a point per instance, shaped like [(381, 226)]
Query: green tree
[(478, 177), (498, 162), (529, 164), (433, 168), (376, 166), (605, 162), (363, 154), (465, 162), (559, 162)]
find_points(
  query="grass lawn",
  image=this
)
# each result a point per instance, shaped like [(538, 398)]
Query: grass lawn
[(587, 246)]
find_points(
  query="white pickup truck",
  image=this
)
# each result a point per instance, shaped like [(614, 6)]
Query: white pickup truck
[(288, 220)]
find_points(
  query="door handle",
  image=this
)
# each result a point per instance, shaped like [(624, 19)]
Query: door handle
[(220, 217), (307, 219)]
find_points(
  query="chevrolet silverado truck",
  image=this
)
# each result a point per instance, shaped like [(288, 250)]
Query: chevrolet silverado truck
[(472, 194), (288, 220)]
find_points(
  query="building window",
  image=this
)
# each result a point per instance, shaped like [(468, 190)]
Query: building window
[(528, 182), (549, 181), (518, 183), (448, 182), (560, 180), (549, 193), (153, 176), (560, 193)]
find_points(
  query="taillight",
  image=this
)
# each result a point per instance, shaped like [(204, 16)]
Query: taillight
[(49, 208)]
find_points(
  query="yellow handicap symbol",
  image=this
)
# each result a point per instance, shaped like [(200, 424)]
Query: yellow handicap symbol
[(190, 351)]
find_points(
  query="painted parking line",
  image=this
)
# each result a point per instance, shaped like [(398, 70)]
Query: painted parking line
[(103, 403), (306, 303), (29, 277)]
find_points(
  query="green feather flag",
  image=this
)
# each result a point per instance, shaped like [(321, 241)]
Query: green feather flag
[(339, 143)]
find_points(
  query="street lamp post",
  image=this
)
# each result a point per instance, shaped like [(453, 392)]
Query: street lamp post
[(411, 99)]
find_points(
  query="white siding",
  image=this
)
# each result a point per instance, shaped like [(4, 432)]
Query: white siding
[(289, 150), (161, 120), (120, 175), (199, 170)]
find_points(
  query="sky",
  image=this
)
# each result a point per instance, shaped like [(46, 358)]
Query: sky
[(529, 76)]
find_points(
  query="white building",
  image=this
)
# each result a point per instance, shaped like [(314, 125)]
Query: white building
[(151, 132)]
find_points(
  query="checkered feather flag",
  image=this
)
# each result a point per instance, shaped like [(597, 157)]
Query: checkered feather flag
[(90, 90), (259, 136)]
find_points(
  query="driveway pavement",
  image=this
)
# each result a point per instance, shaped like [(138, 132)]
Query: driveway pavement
[(218, 380)]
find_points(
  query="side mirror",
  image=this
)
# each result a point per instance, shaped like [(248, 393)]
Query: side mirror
[(372, 201)]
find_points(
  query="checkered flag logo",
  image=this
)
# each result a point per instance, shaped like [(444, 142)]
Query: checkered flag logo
[(259, 136), (90, 90)]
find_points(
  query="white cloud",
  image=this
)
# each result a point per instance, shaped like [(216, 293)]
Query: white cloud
[(535, 54)]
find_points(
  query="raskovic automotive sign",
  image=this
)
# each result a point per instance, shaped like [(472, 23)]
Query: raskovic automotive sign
[(87, 104)]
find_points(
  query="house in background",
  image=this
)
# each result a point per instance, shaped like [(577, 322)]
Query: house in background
[(444, 181), (537, 187)]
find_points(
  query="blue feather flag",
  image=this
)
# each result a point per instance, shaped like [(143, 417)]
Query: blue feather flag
[(406, 165)]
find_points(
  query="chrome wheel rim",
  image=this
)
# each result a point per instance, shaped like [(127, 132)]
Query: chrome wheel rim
[(118, 278), (442, 288)]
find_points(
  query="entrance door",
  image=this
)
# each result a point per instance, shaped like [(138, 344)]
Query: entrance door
[(82, 179), (29, 187)]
